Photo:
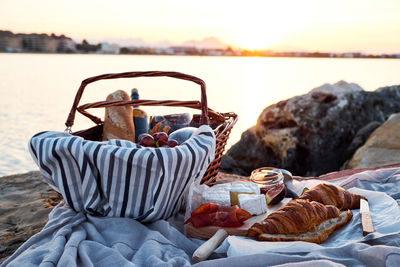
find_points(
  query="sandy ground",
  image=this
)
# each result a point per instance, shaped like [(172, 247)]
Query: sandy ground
[(25, 202)]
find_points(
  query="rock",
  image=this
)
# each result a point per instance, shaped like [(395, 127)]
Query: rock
[(231, 165), (25, 202), (381, 148), (360, 137), (310, 134)]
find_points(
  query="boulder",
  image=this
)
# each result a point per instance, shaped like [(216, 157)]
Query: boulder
[(360, 137), (381, 148), (310, 134)]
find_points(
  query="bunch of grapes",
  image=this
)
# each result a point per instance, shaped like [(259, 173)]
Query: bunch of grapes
[(159, 139)]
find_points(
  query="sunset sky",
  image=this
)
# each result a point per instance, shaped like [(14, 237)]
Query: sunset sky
[(310, 25)]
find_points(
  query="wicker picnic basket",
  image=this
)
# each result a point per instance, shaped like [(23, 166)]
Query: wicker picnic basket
[(222, 123)]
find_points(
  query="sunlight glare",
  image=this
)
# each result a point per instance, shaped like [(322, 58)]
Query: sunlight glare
[(269, 24), (255, 38)]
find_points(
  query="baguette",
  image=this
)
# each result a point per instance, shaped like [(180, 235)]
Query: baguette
[(118, 120)]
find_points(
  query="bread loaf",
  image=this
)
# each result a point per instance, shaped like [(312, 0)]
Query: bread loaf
[(118, 121)]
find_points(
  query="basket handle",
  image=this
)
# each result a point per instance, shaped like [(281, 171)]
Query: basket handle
[(177, 75)]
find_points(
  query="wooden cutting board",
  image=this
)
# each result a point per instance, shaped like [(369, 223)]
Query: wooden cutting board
[(208, 231)]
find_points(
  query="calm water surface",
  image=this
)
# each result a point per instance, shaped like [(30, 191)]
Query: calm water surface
[(37, 90)]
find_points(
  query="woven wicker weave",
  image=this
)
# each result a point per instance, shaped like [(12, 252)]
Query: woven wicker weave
[(223, 121)]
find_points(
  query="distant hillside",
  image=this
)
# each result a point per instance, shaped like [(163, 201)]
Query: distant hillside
[(205, 43)]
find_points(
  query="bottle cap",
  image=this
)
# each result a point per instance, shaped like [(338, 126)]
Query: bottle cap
[(134, 93)]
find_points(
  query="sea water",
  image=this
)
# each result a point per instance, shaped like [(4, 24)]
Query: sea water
[(37, 90)]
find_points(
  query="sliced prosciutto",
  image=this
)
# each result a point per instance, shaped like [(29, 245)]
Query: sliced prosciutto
[(211, 214)]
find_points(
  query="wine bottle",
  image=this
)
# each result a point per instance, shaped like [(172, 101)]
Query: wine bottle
[(140, 118)]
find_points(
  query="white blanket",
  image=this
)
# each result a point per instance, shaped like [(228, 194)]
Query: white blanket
[(77, 239)]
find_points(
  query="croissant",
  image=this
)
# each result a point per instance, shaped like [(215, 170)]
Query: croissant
[(332, 195), (300, 220)]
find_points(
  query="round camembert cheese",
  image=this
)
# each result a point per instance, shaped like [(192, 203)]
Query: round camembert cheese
[(244, 194)]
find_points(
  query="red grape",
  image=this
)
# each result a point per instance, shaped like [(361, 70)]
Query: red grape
[(146, 140), (161, 138), (172, 143)]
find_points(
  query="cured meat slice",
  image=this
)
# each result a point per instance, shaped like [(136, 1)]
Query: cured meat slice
[(211, 214)]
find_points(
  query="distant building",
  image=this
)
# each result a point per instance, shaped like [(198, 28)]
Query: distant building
[(107, 48), (9, 42), (168, 51), (64, 44), (213, 52), (185, 50), (39, 43)]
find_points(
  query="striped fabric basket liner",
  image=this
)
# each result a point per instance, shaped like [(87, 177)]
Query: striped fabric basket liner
[(119, 178)]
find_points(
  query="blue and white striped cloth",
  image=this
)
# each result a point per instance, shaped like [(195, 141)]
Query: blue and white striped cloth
[(119, 178)]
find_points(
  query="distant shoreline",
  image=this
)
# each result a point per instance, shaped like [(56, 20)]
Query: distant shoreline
[(44, 43), (202, 55)]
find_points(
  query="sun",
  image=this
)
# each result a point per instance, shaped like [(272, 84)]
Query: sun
[(269, 24), (257, 36)]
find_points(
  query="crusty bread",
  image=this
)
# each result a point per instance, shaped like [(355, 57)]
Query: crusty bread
[(118, 120), (297, 216), (328, 194), (300, 220), (318, 235)]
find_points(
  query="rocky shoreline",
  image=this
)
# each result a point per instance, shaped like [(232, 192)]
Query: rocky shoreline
[(320, 131)]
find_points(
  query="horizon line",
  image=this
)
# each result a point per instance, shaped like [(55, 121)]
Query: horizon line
[(182, 44)]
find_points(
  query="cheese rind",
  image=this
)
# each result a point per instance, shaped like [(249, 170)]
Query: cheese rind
[(220, 197), (245, 187), (220, 194), (254, 204)]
